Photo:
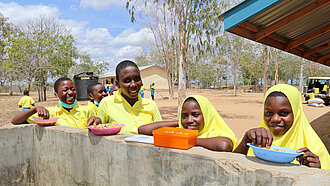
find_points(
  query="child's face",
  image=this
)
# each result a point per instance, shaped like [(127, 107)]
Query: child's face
[(67, 92), (192, 116), (99, 92), (130, 82), (278, 115)]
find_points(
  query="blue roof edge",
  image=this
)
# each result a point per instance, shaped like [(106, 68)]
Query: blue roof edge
[(244, 11)]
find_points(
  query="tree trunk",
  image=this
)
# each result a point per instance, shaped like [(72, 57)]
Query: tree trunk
[(169, 81), (301, 75), (182, 80), (276, 69), (235, 81), (182, 62), (45, 88), (266, 62)]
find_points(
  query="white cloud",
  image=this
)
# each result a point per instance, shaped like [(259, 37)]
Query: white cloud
[(98, 42), (77, 28), (17, 13), (128, 52), (101, 4), (130, 37)]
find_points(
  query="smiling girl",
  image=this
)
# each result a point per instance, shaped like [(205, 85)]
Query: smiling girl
[(197, 113), (126, 106), (69, 111), (285, 124)]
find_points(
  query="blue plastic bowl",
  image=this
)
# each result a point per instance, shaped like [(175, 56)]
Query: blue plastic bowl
[(273, 155)]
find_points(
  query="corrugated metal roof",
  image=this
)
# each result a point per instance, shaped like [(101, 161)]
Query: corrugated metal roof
[(316, 20)]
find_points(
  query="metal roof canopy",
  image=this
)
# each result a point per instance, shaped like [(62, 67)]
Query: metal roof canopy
[(300, 27)]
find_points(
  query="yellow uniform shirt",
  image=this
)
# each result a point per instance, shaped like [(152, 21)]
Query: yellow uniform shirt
[(90, 110), (26, 102), (142, 88), (115, 109), (74, 118)]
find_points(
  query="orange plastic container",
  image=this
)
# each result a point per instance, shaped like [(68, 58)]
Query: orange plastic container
[(175, 137)]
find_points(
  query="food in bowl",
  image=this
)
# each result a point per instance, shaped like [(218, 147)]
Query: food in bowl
[(106, 129), (275, 149), (275, 153), (46, 122), (105, 126)]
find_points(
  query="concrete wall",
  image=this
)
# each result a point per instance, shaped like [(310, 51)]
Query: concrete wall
[(33, 155)]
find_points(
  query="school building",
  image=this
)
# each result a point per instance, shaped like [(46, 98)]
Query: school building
[(150, 74)]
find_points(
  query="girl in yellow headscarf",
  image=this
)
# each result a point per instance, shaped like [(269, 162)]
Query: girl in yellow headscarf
[(285, 124), (197, 113)]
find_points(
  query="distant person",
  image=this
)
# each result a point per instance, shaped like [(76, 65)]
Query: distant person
[(126, 106), (108, 87), (284, 124), (152, 89), (114, 88), (96, 92), (197, 113), (70, 113), (142, 91), (26, 101)]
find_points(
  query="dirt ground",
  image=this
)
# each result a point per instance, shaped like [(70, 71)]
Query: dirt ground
[(240, 113)]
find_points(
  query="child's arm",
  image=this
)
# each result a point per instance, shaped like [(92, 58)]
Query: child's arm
[(93, 120), (148, 128), (23, 116), (222, 144), (308, 158), (258, 136)]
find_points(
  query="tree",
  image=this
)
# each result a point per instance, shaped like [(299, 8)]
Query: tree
[(6, 29), (196, 20), (43, 48), (86, 64), (266, 63)]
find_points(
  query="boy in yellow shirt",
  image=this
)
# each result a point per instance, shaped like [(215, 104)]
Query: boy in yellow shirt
[(26, 101), (96, 92), (126, 106), (70, 113)]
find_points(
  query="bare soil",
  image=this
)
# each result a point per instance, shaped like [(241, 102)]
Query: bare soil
[(240, 112)]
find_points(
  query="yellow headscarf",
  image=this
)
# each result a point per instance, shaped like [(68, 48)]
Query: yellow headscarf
[(301, 133), (214, 125)]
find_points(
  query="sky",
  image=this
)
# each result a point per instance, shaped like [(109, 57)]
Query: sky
[(101, 28)]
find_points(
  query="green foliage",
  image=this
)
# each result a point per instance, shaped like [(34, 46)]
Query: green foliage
[(86, 64)]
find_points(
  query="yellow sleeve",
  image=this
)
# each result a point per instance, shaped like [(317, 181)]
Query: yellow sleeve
[(102, 112), (20, 101), (32, 101), (156, 116)]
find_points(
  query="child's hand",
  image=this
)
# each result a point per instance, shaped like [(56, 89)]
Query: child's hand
[(93, 121), (308, 158), (42, 112), (260, 137)]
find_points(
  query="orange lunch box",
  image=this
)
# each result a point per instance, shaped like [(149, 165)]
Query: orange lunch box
[(175, 137)]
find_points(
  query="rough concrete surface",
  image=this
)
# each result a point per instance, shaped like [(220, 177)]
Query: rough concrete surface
[(33, 155)]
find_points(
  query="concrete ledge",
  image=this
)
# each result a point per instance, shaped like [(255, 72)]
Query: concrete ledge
[(33, 155)]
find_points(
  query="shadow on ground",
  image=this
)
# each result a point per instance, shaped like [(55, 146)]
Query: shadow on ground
[(321, 126)]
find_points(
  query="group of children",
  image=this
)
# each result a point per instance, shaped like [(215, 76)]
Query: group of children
[(283, 122)]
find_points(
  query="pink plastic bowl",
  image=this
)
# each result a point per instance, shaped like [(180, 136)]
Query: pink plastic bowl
[(109, 131), (46, 122)]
